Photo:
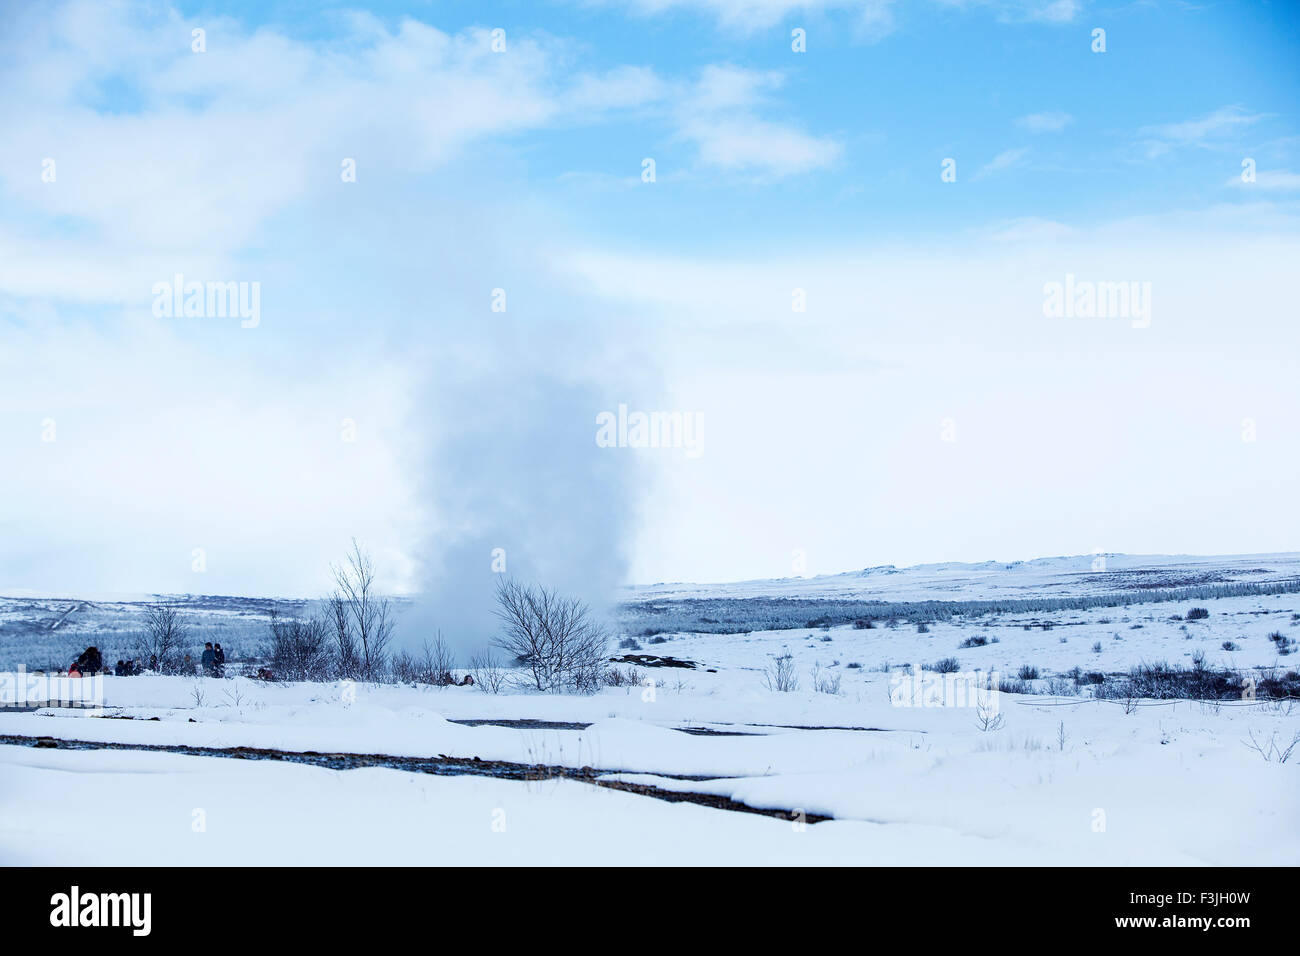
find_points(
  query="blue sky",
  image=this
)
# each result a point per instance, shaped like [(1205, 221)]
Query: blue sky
[(961, 80), (776, 171)]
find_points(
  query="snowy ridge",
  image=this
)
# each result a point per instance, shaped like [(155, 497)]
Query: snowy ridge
[(1063, 576)]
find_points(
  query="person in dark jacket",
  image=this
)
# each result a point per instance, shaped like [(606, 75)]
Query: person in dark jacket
[(90, 662), (219, 660), (208, 660), (120, 669)]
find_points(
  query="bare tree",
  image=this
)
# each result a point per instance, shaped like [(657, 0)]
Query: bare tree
[(164, 638), (363, 617), (554, 638), (344, 647)]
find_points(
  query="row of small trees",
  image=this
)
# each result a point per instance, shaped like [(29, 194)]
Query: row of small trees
[(552, 642)]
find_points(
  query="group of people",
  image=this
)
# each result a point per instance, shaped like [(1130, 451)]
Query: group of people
[(90, 662), (213, 660)]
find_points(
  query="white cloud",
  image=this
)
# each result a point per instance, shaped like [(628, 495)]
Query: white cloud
[(750, 15), (1002, 161), (225, 165), (754, 144), (719, 115), (219, 141), (1055, 11), (899, 336), (875, 19), (620, 88), (1050, 122), (1213, 129)]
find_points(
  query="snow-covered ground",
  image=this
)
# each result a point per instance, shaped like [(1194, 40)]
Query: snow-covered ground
[(1063, 576), (1063, 778)]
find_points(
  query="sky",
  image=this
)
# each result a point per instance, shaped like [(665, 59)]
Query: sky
[(824, 233)]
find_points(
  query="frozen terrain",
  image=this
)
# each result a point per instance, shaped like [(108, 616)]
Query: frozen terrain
[(203, 770), (1058, 577)]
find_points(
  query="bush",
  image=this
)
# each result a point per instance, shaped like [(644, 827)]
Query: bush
[(978, 641), (163, 640), (554, 638), (781, 675), (1229, 646), (299, 649), (949, 665), (631, 677), (1061, 687), (629, 644), (863, 624), (1028, 672), (923, 628), (489, 676), (433, 665), (1160, 681), (1197, 614), (825, 683)]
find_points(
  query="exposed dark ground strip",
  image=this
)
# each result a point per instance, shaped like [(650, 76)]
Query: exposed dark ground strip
[(441, 765), (529, 723)]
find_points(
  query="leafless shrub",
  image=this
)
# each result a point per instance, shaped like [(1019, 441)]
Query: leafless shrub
[(489, 676), (299, 649), (163, 641), (1270, 749), (1061, 687), (235, 695), (631, 677), (555, 639), (432, 665), (437, 662), (404, 668), (987, 715), (781, 675), (823, 682)]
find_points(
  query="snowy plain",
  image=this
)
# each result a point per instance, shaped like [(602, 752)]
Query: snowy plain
[(1064, 778)]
